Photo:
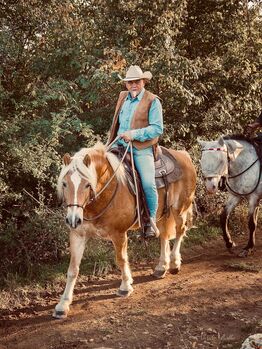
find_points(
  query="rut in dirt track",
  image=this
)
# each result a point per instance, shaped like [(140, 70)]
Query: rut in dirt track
[(215, 302)]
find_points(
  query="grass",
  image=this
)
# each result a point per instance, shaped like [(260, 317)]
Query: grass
[(242, 266), (200, 234)]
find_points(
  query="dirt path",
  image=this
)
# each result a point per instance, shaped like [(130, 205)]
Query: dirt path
[(215, 302)]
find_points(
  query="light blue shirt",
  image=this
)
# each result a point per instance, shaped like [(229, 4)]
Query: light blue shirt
[(155, 119)]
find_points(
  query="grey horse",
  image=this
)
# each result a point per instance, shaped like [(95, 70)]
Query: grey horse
[(236, 160)]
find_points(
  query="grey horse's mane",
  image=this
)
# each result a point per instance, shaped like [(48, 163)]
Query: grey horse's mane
[(238, 137)]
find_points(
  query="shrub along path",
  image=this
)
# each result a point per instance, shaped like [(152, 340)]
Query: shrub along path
[(215, 302)]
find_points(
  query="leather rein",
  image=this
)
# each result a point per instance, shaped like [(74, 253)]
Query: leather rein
[(95, 196)]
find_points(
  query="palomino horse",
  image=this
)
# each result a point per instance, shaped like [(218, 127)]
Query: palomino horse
[(93, 186), (235, 159)]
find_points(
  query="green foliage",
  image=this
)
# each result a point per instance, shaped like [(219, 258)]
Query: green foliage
[(59, 84), (28, 241)]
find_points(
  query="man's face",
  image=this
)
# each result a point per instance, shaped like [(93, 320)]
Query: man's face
[(135, 87)]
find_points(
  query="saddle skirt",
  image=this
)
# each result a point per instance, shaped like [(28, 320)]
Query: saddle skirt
[(167, 169), (166, 166)]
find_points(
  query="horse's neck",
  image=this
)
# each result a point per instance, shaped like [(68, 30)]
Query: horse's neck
[(104, 174), (243, 155)]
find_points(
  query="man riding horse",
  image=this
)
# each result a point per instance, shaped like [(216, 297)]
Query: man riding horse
[(138, 118)]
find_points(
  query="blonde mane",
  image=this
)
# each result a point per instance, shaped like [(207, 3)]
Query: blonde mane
[(89, 172)]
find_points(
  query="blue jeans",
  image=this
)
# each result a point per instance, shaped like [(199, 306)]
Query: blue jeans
[(144, 162)]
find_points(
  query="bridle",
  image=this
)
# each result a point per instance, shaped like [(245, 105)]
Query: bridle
[(95, 196), (218, 149), (85, 203), (225, 178)]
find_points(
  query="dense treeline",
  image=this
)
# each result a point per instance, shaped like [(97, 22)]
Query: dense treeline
[(59, 83)]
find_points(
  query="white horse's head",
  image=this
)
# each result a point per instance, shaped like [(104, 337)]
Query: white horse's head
[(214, 163)]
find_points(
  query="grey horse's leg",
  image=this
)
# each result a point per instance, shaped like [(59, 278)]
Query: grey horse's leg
[(230, 205), (252, 224)]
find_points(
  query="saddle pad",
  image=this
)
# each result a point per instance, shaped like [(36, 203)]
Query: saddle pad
[(166, 165)]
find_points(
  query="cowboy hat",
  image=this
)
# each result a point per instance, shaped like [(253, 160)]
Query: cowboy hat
[(135, 73)]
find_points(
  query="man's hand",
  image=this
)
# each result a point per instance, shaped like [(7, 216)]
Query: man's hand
[(126, 136), (251, 128)]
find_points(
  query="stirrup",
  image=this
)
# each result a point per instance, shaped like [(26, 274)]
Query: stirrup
[(151, 230)]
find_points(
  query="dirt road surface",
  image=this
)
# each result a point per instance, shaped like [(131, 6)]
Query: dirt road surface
[(214, 302)]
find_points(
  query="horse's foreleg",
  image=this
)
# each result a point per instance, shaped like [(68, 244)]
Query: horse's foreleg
[(175, 256), (77, 246), (252, 224), (164, 260), (120, 243), (230, 205)]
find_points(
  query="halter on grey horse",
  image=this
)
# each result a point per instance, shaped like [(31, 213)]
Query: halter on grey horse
[(235, 159)]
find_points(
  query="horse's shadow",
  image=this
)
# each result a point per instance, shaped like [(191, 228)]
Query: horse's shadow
[(111, 285), (91, 287)]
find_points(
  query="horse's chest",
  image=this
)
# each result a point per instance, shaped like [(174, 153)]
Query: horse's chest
[(92, 230)]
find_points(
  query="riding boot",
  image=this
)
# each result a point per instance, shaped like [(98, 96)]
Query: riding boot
[(151, 230)]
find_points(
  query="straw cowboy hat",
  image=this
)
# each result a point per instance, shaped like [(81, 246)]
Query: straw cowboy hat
[(135, 73)]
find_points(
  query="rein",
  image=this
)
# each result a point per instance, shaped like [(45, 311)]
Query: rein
[(94, 198), (252, 191), (104, 209), (253, 163)]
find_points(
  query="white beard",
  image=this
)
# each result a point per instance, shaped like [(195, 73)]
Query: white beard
[(133, 94)]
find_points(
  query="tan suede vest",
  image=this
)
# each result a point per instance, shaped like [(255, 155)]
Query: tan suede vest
[(139, 120)]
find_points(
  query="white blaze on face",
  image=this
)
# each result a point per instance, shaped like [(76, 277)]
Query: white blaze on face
[(74, 210)]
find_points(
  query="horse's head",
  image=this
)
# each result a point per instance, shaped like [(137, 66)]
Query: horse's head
[(214, 163), (83, 178), (77, 185)]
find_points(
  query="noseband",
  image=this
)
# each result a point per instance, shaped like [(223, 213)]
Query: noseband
[(85, 203)]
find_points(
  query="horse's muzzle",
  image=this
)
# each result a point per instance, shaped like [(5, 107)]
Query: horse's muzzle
[(73, 221), (211, 185)]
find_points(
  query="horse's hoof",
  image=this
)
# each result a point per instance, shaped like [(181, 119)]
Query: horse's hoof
[(174, 271), (122, 293), (60, 314), (159, 274), (244, 253)]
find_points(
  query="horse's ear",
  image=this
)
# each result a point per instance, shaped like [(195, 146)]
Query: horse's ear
[(231, 146), (221, 141), (66, 159), (87, 160)]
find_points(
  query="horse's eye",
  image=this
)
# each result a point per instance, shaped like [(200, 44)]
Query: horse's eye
[(64, 184), (87, 185)]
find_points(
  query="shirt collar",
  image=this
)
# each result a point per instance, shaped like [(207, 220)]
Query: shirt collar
[(138, 97)]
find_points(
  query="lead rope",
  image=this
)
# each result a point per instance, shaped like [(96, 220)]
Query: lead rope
[(136, 188)]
